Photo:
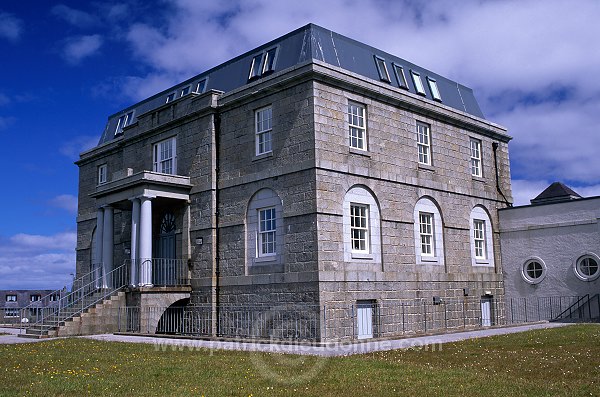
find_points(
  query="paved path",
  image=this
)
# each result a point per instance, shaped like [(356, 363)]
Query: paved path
[(333, 349)]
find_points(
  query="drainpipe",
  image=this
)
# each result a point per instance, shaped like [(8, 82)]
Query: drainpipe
[(217, 128), (495, 148)]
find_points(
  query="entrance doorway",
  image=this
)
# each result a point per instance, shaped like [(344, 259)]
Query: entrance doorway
[(364, 318), (486, 311), (164, 264)]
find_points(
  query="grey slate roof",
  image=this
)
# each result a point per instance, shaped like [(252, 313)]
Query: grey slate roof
[(310, 42), (555, 193)]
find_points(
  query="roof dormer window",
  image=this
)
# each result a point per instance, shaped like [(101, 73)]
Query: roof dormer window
[(201, 86), (170, 97), (263, 63), (185, 91), (382, 69), (400, 76), (419, 87), (123, 122), (433, 87)]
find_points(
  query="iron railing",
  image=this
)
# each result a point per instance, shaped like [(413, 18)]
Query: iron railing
[(159, 271), (92, 288)]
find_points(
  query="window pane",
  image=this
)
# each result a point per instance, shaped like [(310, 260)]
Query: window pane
[(255, 66), (270, 60)]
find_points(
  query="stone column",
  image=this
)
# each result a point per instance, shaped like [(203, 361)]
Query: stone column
[(107, 246), (97, 259), (135, 241), (145, 242)]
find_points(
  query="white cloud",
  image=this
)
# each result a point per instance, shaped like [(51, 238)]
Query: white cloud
[(37, 261), (67, 202), (75, 146), (78, 48), (75, 17), (11, 27), (531, 63)]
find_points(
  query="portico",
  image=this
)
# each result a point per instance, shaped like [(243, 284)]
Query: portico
[(137, 193)]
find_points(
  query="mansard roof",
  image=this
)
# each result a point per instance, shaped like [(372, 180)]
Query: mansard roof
[(306, 44)]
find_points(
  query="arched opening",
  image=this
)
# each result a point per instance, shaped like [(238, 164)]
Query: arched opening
[(172, 320)]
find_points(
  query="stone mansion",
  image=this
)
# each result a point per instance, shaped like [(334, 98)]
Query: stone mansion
[(313, 170)]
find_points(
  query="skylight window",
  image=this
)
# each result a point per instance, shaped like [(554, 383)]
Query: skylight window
[(433, 87), (263, 63), (201, 86), (270, 60), (185, 91), (418, 82), (255, 67), (382, 69), (400, 76), (170, 97), (123, 122)]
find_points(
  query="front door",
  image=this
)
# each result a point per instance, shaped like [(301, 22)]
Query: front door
[(364, 319), (164, 265), (486, 312)]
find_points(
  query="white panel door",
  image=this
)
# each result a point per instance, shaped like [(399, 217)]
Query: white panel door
[(364, 316), (486, 313)]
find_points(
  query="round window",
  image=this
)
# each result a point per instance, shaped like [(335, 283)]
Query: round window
[(587, 267), (534, 270)]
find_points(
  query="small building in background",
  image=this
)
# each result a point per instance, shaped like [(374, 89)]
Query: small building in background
[(551, 248), (16, 305)]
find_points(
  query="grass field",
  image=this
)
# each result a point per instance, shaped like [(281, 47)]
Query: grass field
[(555, 362)]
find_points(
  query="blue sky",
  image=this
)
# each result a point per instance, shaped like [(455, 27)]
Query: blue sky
[(67, 65)]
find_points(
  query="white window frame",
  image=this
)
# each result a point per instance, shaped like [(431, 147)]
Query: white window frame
[(201, 86), (11, 312), (426, 206), (162, 161), (357, 126), (479, 238), (11, 298), (170, 97), (269, 60), (359, 228), (475, 151), (525, 270), (418, 82), (424, 143), (370, 257), (184, 91), (35, 298), (578, 267), (263, 63), (382, 69), (266, 244), (480, 214), (427, 233), (400, 76), (433, 87), (102, 174), (263, 130), (123, 122)]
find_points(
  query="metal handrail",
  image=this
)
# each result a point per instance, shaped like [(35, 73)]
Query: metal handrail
[(165, 271), (59, 292), (87, 295), (585, 298)]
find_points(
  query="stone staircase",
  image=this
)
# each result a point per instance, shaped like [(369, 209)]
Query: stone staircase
[(100, 314)]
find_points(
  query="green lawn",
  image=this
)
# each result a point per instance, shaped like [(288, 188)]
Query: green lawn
[(555, 362)]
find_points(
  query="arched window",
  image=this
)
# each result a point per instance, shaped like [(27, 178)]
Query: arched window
[(429, 238), (264, 233), (361, 223), (482, 241)]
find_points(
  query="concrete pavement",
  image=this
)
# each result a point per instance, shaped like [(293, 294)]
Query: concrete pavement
[(429, 342)]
